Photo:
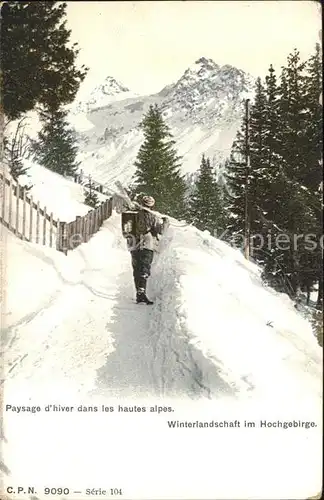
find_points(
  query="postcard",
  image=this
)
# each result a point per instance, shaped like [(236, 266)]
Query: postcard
[(161, 250)]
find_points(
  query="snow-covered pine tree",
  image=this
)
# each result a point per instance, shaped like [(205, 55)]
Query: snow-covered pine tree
[(91, 198), (235, 177), (291, 266), (56, 146), (298, 163), (259, 154), (313, 86), (206, 205), (38, 60), (293, 119), (158, 166), (273, 191), (286, 149), (236, 172)]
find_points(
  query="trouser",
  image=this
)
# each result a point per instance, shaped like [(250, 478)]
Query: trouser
[(141, 262)]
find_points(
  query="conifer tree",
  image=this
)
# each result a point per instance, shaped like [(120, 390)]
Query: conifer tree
[(273, 188), (37, 59), (286, 169), (314, 119), (56, 146), (158, 166), (235, 182), (313, 87), (293, 120), (259, 156), (243, 183), (206, 209), (91, 197)]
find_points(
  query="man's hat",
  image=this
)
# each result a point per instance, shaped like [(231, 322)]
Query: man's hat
[(148, 201)]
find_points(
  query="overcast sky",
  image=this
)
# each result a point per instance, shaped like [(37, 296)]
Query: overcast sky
[(147, 45)]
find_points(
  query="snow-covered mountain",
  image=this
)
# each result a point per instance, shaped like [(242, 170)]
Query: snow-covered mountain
[(203, 108), (101, 95)]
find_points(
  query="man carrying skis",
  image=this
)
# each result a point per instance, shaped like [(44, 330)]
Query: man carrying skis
[(142, 244)]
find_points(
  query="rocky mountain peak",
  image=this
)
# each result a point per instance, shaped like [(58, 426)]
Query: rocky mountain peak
[(101, 95), (109, 87), (203, 68), (202, 84)]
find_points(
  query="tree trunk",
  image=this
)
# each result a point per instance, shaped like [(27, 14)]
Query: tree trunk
[(319, 303), (308, 292)]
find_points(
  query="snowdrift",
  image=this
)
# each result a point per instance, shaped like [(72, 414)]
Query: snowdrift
[(59, 195), (254, 336)]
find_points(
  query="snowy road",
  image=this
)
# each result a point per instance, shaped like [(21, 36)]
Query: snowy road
[(73, 321), (73, 335), (90, 334)]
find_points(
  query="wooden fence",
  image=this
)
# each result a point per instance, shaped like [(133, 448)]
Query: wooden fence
[(24, 216), (29, 222), (72, 234)]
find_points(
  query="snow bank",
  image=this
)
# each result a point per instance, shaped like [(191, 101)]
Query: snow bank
[(256, 338), (29, 281), (59, 195), (75, 336)]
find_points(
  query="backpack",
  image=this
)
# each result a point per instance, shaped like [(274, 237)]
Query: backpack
[(130, 223), (136, 223)]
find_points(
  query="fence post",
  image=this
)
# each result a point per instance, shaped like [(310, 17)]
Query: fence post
[(97, 219), (10, 203), (69, 234), (61, 240), (77, 224), (93, 221), (37, 223), (77, 231), (17, 209), (31, 219), (81, 229), (44, 226), (51, 230), (24, 214), (89, 224), (4, 199), (94, 217)]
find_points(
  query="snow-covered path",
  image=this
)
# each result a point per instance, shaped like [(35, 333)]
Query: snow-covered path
[(74, 336), (88, 333), (71, 334), (73, 321)]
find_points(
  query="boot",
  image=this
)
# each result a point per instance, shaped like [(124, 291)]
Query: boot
[(141, 298), (141, 292)]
